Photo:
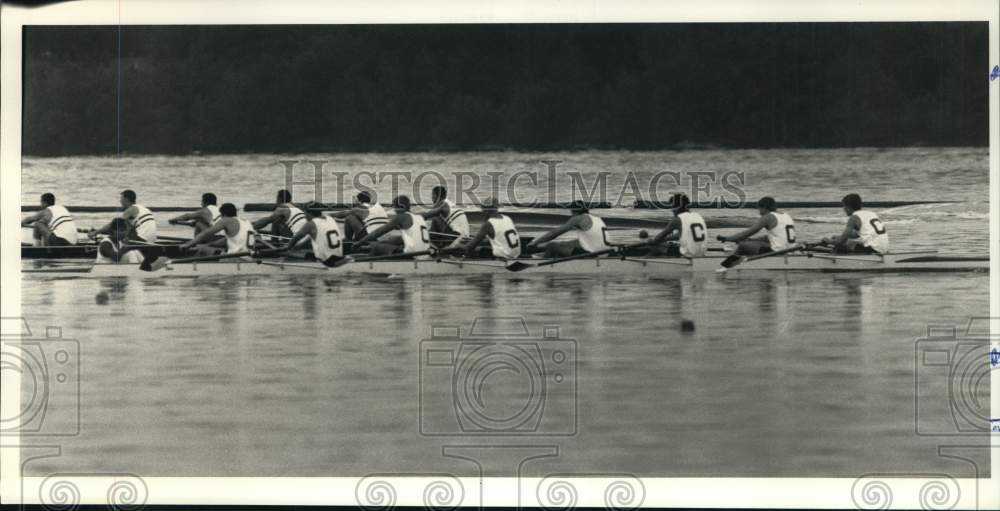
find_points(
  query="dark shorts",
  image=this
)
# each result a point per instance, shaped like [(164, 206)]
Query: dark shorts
[(856, 249), (56, 241)]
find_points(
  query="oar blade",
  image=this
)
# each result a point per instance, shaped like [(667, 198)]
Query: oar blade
[(732, 260), (154, 263), (336, 261), (519, 266)]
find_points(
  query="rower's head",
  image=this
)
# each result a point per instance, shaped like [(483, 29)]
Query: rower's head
[(767, 205), (679, 203), (401, 203), (128, 198), (578, 207), (48, 200), (364, 197), (284, 197), (228, 210), (491, 206), (439, 193), (851, 202), (209, 199), (119, 229), (313, 210)]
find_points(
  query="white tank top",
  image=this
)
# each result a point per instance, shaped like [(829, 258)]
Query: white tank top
[(872, 232), (782, 235), (328, 240), (243, 240), (62, 224), (144, 223), (505, 242), (130, 257), (416, 237), (457, 219), (693, 241), (377, 217), (214, 211), (593, 239), (296, 218)]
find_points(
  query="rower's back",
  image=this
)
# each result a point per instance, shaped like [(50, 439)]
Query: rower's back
[(144, 223), (505, 242), (239, 235), (375, 217), (61, 223), (782, 235), (594, 238), (416, 237), (693, 240), (872, 231), (328, 240)]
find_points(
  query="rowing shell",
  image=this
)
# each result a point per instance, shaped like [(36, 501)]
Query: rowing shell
[(927, 261)]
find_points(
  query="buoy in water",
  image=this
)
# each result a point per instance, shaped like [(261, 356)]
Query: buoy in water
[(102, 298), (687, 325)]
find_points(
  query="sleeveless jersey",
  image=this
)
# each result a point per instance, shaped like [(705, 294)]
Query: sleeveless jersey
[(62, 224), (505, 242), (144, 224), (456, 219), (130, 257), (328, 240), (243, 240), (872, 232), (296, 218), (693, 241), (214, 211), (376, 218), (782, 235), (593, 239), (416, 237)]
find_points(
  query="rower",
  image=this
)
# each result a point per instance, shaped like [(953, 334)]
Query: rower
[(52, 225), (864, 232), (113, 249), (500, 230), (286, 219), (591, 234), (447, 218), (779, 227), (687, 229), (201, 219), (365, 217), (139, 217), (239, 234), (414, 235), (324, 233)]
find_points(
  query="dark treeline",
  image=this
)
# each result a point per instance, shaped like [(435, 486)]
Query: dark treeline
[(529, 87)]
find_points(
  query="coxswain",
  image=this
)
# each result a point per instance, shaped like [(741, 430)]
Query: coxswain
[(52, 225), (687, 230), (505, 244), (323, 232), (413, 233), (447, 218), (285, 220), (139, 217), (778, 226), (239, 234), (203, 218), (591, 234), (864, 232), (113, 248)]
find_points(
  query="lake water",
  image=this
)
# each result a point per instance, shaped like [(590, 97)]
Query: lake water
[(795, 374)]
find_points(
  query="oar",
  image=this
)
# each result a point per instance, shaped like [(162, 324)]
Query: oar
[(734, 259), (157, 263), (521, 266), (336, 262)]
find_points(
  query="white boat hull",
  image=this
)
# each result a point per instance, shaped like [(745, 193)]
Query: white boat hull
[(665, 267)]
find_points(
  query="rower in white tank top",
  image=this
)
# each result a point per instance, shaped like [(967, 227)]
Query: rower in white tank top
[(593, 239), (327, 240), (505, 242), (377, 217), (416, 237), (782, 235), (872, 232), (144, 223), (61, 223), (243, 240), (296, 218), (457, 219), (214, 211), (693, 241)]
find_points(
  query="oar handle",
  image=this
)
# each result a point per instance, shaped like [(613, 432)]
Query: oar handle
[(592, 254), (226, 256)]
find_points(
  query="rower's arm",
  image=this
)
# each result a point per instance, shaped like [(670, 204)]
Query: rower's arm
[(746, 233), (128, 214), (555, 233), (205, 235), (37, 217), (392, 224), (485, 230), (278, 214), (435, 211), (853, 225), (340, 215), (186, 217), (307, 230), (667, 234)]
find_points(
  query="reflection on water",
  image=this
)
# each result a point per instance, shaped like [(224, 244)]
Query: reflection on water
[(783, 375)]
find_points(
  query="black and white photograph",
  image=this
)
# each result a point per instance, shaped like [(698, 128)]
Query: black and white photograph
[(526, 255)]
